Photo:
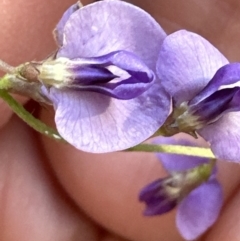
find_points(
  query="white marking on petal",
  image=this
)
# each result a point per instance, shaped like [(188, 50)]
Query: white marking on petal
[(236, 84)]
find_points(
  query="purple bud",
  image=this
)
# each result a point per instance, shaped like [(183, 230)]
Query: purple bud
[(163, 195), (158, 197)]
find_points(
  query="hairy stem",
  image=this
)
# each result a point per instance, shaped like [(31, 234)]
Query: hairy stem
[(6, 67), (35, 123)]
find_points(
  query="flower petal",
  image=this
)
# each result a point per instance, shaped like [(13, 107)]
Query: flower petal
[(96, 123), (227, 76), (106, 26), (199, 210), (224, 137), (187, 62), (58, 31), (174, 162)]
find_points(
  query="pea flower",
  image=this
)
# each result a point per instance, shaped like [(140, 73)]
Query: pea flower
[(191, 185), (205, 92), (102, 81)]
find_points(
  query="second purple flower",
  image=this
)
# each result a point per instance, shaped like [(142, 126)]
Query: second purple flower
[(206, 92), (191, 187)]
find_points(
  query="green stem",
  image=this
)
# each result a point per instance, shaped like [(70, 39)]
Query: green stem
[(50, 132), (175, 149), (36, 124)]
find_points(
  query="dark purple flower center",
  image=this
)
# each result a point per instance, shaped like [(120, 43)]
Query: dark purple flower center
[(91, 74), (157, 199), (164, 194), (217, 104), (220, 96), (119, 74)]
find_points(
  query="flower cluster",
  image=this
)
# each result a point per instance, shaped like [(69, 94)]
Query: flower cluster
[(118, 79)]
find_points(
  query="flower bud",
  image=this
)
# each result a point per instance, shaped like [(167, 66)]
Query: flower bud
[(164, 194)]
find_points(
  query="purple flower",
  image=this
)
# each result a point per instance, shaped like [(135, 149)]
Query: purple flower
[(192, 186), (104, 103), (205, 92)]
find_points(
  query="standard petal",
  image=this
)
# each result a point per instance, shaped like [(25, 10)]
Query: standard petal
[(58, 31), (224, 137), (96, 123), (106, 26), (174, 162), (186, 63), (199, 210)]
